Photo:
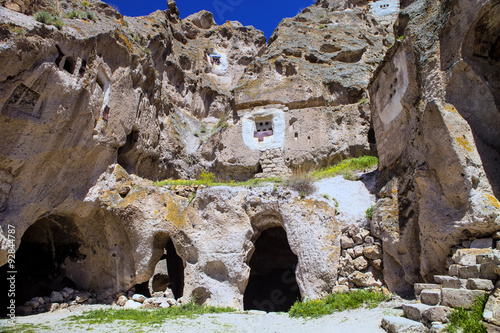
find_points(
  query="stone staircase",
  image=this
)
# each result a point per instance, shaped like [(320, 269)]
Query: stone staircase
[(473, 272)]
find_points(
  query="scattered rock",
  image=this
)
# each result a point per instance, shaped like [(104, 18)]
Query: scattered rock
[(56, 297), (130, 304), (373, 252), (122, 300), (402, 325), (139, 298), (346, 242)]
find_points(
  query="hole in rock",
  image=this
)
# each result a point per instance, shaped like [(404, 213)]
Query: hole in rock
[(169, 272), (272, 285), (69, 65), (46, 248)]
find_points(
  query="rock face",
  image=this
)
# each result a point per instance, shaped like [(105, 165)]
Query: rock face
[(92, 112), (434, 111)]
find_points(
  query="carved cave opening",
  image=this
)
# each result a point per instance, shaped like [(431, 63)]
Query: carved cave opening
[(169, 272), (272, 285), (263, 128), (45, 249)]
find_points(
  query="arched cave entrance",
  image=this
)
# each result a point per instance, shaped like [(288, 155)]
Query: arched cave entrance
[(169, 272), (272, 285), (41, 256)]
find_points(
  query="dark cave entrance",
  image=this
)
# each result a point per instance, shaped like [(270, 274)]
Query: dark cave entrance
[(272, 285), (169, 272), (40, 258)]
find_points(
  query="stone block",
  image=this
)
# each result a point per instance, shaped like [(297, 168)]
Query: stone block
[(450, 281), (430, 296), (358, 239), (468, 256), (457, 298), (358, 251), (56, 297), (490, 328), (492, 309), (488, 271), (483, 243), (346, 242), (453, 270), (360, 263), (480, 284), (377, 264), (369, 240), (373, 251), (421, 286), (394, 324), (414, 311), (469, 272), (436, 313), (340, 290)]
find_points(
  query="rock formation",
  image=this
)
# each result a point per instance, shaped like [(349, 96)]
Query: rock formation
[(95, 110)]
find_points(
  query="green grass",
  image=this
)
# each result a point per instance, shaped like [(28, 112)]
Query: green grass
[(338, 302), (369, 213), (74, 14), (24, 328), (150, 317), (469, 321), (346, 167)]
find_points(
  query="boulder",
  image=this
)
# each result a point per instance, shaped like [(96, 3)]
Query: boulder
[(414, 311), (122, 300), (430, 296), (139, 298), (436, 313), (373, 251), (482, 243), (480, 284), (346, 242), (364, 279)]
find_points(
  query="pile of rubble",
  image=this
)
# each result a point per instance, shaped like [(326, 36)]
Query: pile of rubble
[(69, 297), (361, 262)]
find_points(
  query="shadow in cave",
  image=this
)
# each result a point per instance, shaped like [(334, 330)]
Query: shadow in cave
[(272, 285), (40, 259), (169, 272)]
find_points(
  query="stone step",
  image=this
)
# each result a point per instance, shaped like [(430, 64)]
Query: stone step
[(430, 296), (480, 284), (394, 324), (421, 286), (459, 298), (414, 311), (450, 281), (467, 257)]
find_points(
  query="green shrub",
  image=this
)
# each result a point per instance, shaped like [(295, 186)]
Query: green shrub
[(338, 302), (85, 4), (469, 321), (74, 14), (58, 23), (203, 128), (369, 213), (302, 184), (206, 177), (44, 17)]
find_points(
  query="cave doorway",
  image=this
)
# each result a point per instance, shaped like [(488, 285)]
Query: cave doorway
[(272, 285), (169, 272), (40, 260)]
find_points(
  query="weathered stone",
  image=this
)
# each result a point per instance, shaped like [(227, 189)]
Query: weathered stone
[(418, 287), (482, 243), (369, 240), (480, 284), (53, 307), (453, 270), (468, 256), (346, 242), (122, 300), (436, 313), (394, 324), (492, 308), (437, 327), (358, 251), (430, 296), (377, 264), (340, 289), (82, 297), (360, 263), (456, 298), (139, 298), (23, 310), (165, 305), (414, 311), (491, 328), (450, 281), (489, 271), (373, 252), (56, 297), (130, 304), (467, 272), (364, 279)]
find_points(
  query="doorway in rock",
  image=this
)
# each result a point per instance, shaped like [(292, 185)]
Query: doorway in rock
[(272, 285), (169, 272), (41, 257)]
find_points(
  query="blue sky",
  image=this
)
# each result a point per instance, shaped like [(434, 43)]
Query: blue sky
[(262, 14)]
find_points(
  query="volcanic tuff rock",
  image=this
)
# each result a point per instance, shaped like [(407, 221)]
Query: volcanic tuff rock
[(168, 97)]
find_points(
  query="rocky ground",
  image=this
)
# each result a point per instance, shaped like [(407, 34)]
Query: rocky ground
[(360, 320)]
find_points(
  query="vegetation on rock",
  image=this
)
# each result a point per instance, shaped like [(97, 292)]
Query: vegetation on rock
[(47, 18), (338, 302), (470, 321)]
